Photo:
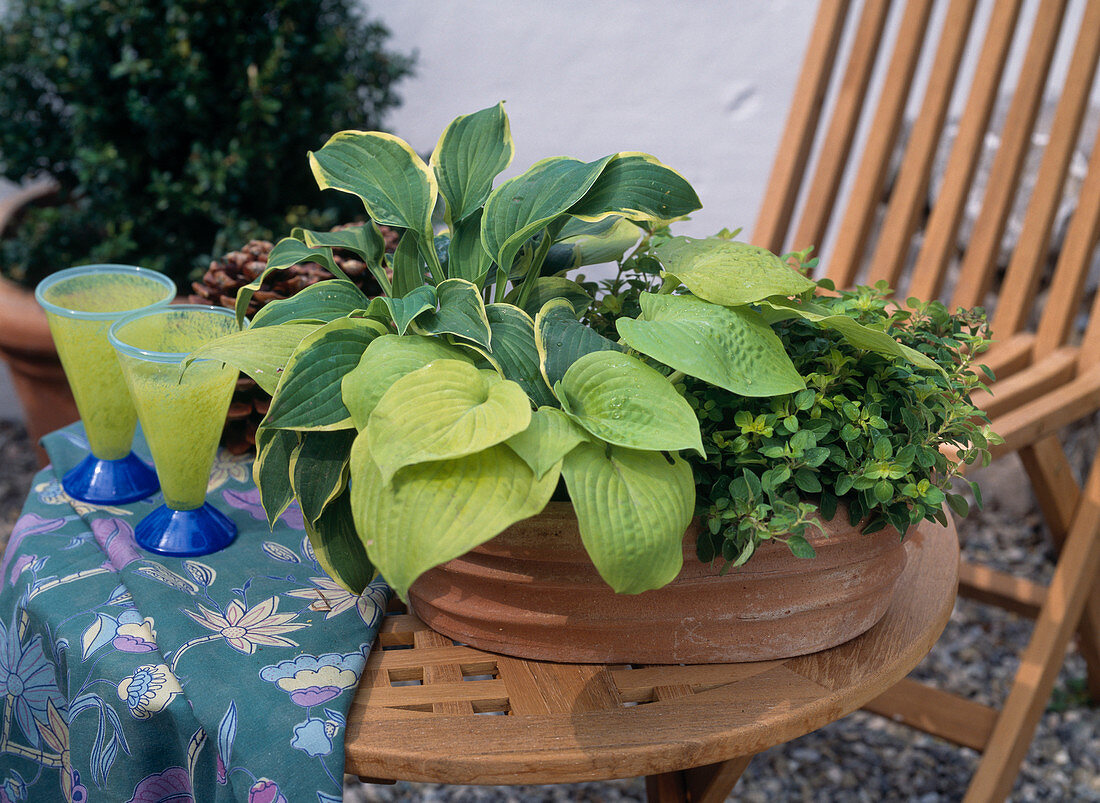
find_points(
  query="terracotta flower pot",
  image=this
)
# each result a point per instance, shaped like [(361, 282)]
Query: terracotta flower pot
[(533, 592)]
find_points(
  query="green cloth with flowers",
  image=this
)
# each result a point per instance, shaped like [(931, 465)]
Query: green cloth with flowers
[(133, 677)]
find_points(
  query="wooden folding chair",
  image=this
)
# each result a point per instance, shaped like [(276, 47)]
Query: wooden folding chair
[(888, 227)]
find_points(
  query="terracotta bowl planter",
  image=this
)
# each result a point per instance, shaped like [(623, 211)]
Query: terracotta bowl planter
[(533, 592)]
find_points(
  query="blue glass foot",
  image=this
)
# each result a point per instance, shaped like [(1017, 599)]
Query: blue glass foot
[(185, 533), (110, 482)]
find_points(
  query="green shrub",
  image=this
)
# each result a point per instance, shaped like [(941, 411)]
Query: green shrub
[(177, 127)]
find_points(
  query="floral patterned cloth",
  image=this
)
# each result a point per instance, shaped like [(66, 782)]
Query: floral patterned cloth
[(132, 677)]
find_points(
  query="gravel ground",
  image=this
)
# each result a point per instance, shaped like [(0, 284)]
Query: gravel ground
[(861, 757)]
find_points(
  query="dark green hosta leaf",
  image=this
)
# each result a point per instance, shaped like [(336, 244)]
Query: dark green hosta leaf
[(408, 267), (731, 348), (461, 313), (729, 273), (514, 352), (620, 399), (385, 360), (261, 353), (445, 410), (523, 205), (337, 545), (582, 243), (473, 149), (637, 186), (271, 471), (319, 469), (395, 185), (324, 301), (403, 311), (433, 512), (466, 257), (308, 397), (286, 253), (860, 336), (549, 437), (633, 508), (365, 241), (562, 339), (545, 289)]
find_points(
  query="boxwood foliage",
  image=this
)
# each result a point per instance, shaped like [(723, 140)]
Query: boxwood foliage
[(177, 127)]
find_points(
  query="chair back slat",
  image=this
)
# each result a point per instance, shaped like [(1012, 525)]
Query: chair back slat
[(1074, 259), (843, 124), (798, 135), (859, 214), (941, 232), (980, 259), (909, 194), (1030, 257)]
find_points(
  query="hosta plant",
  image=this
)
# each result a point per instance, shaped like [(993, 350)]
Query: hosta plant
[(412, 427)]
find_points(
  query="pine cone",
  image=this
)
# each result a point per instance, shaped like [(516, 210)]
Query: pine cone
[(219, 287)]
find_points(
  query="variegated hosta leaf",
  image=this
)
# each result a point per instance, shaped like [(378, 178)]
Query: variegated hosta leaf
[(433, 512), (288, 252), (408, 267), (461, 313), (582, 243), (545, 289), (262, 353), (271, 470), (633, 508), (620, 399), (860, 336), (514, 352), (395, 185), (523, 205), (731, 348), (308, 396), (387, 359), (549, 437), (319, 469), (366, 241), (637, 186), (472, 150), (324, 301), (562, 339), (467, 258), (403, 311), (444, 410), (729, 273), (337, 545)]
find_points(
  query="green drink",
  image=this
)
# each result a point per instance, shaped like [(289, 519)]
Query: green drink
[(182, 416), (81, 304)]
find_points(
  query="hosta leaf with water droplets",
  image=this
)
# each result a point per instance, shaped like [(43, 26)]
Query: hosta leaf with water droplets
[(461, 313), (729, 273), (561, 339), (633, 508), (637, 186), (433, 512), (444, 410), (731, 348), (549, 437), (620, 399)]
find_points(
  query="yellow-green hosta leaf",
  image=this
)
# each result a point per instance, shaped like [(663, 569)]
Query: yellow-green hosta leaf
[(729, 273), (337, 545), (308, 396), (549, 437), (261, 353), (467, 258), (860, 336), (633, 508), (562, 339), (271, 470), (523, 205), (394, 184), (444, 410), (288, 252), (319, 469), (620, 399), (325, 301), (433, 512), (470, 153), (385, 360), (514, 352), (638, 187), (461, 313), (731, 348)]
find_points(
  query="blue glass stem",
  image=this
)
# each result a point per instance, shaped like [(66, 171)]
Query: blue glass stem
[(185, 533), (110, 482)]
